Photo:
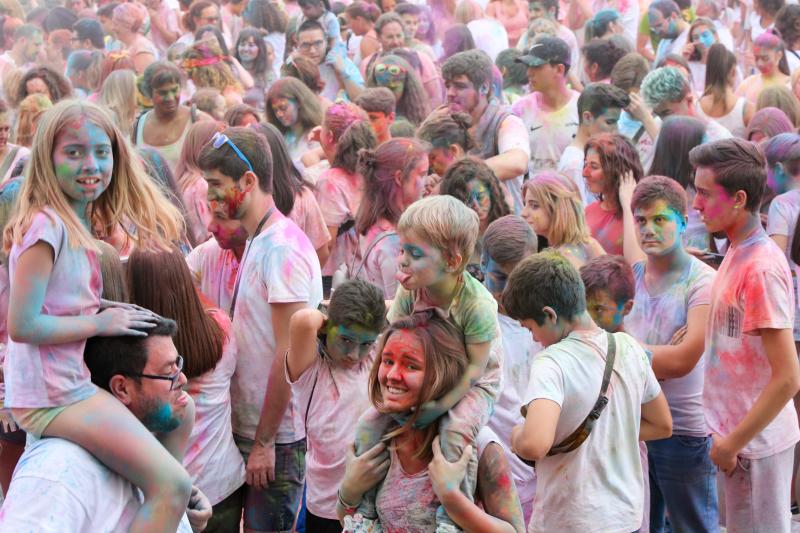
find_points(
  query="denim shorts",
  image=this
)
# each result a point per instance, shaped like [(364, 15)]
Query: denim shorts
[(275, 508)]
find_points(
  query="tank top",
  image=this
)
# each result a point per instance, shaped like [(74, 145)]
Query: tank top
[(733, 121), (170, 152)]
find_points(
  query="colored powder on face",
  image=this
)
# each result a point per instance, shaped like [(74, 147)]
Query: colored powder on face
[(160, 418)]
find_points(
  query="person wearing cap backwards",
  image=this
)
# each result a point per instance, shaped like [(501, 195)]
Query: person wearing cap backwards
[(500, 135), (550, 112)]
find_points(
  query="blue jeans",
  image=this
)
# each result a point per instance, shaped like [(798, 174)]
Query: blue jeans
[(683, 483)]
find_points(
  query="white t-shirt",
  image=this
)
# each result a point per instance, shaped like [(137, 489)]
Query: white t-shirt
[(340, 396), (489, 35), (782, 219), (58, 486), (212, 458), (519, 352), (598, 486), (333, 89), (671, 46), (214, 271), (549, 132), (513, 135), (571, 165), (281, 266), (752, 291), (654, 319)]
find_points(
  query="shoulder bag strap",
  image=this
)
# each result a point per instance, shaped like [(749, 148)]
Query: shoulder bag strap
[(369, 249), (577, 437)]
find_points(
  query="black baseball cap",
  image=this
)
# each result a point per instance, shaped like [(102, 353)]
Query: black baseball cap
[(547, 50)]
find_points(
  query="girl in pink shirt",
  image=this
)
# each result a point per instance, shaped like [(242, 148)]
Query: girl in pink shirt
[(83, 174)]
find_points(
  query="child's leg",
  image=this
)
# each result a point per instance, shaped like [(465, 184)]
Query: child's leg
[(370, 428), (757, 495), (107, 429), (459, 429)]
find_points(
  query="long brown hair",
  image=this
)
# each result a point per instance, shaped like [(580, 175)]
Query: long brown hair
[(161, 281), (445, 363), (617, 156)]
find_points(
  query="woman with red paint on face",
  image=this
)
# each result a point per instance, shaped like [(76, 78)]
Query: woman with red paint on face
[(418, 478), (773, 69)]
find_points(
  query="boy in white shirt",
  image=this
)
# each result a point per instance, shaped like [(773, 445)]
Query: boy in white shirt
[(599, 485)]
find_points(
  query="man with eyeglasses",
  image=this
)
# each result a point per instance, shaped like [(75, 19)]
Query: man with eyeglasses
[(336, 70), (58, 486), (666, 21), (667, 92)]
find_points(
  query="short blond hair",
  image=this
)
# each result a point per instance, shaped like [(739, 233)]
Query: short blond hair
[(445, 223), (558, 195)]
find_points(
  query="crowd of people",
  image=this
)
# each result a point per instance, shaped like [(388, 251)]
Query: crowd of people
[(399, 266)]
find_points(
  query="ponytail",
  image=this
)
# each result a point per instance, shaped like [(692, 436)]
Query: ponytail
[(357, 136)]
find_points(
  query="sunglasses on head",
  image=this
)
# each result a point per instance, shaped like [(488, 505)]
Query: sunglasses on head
[(220, 138)]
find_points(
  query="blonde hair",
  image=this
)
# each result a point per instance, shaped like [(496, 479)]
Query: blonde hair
[(445, 223), (30, 109), (131, 200), (560, 198), (119, 95)]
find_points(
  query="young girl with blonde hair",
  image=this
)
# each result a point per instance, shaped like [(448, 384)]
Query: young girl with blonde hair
[(83, 176), (118, 94), (554, 210)]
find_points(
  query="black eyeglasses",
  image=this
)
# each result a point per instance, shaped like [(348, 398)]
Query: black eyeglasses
[(173, 378)]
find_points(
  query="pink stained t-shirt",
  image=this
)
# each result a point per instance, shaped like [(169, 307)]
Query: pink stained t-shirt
[(752, 291), (53, 375), (515, 25), (606, 228), (333, 399), (338, 195), (212, 458), (197, 212), (307, 214), (214, 270), (380, 265)]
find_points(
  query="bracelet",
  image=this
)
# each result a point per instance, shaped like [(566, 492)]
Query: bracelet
[(346, 506)]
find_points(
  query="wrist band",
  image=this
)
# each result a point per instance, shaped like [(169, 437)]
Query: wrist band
[(346, 506)]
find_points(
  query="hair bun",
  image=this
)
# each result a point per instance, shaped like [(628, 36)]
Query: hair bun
[(367, 161)]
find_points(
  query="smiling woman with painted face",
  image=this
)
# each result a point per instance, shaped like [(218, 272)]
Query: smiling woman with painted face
[(702, 35), (295, 111), (396, 74), (258, 58), (421, 358)]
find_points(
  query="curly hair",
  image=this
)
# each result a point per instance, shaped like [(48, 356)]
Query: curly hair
[(460, 173), (665, 84), (603, 53), (195, 10), (309, 110), (474, 64), (206, 66), (58, 86), (412, 104), (30, 109), (617, 156)]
